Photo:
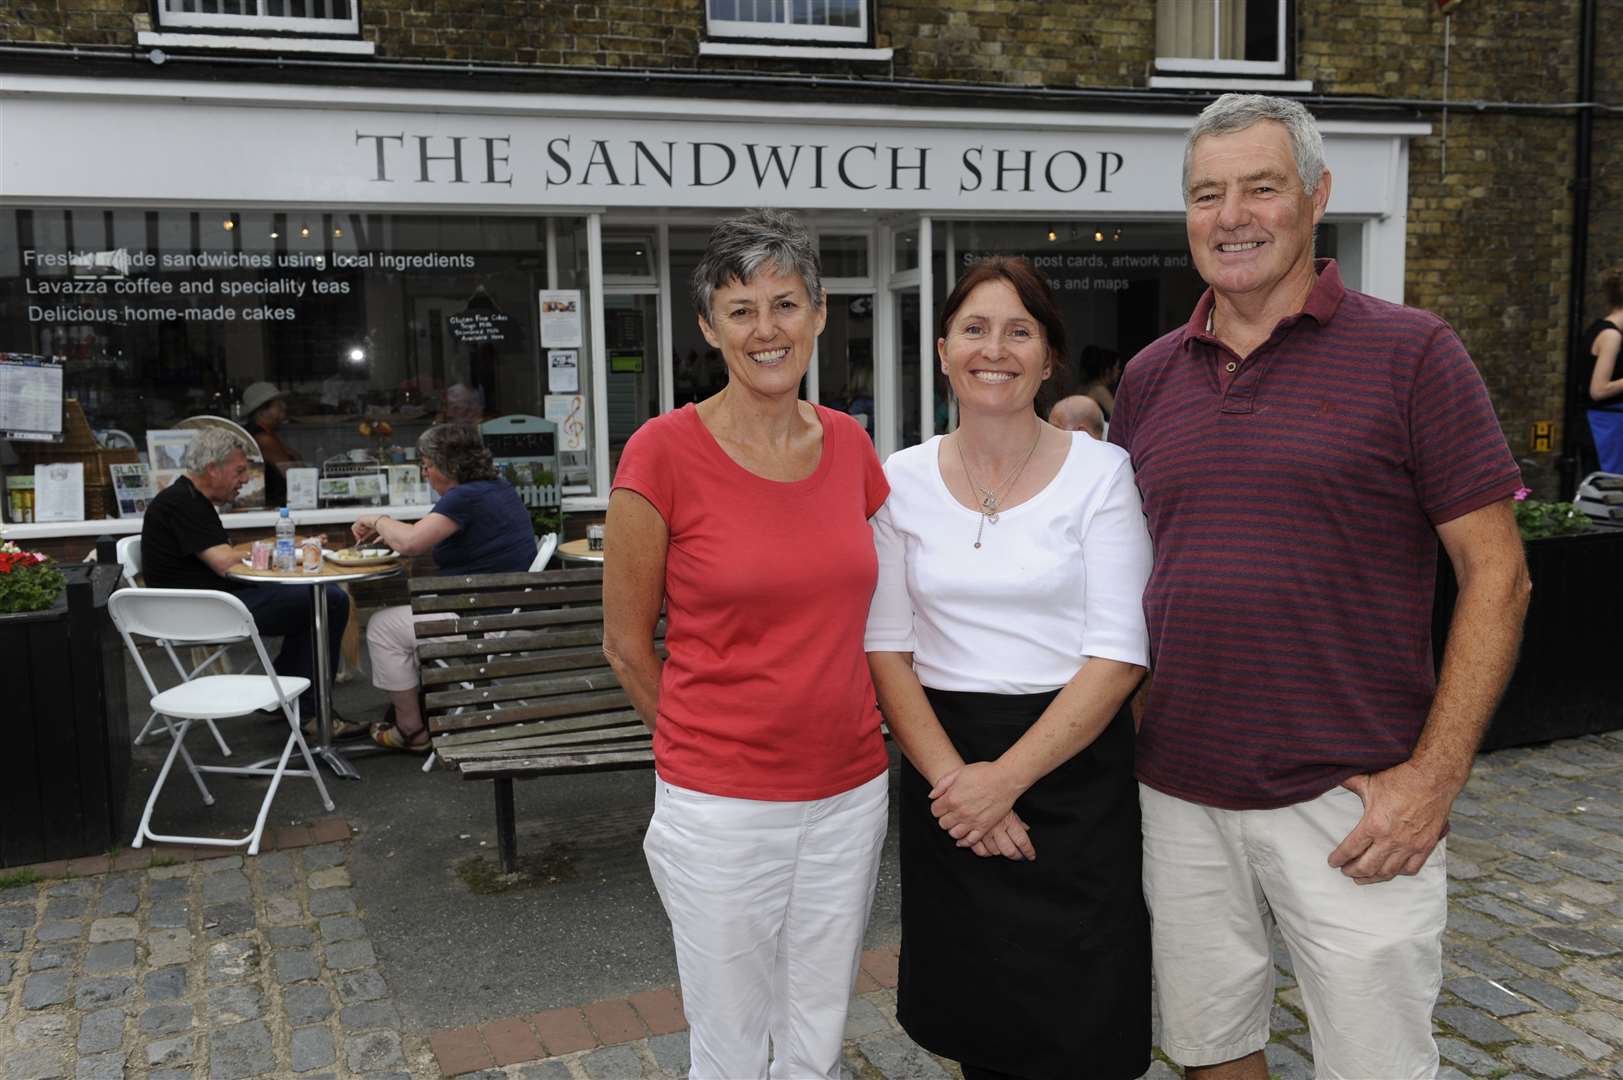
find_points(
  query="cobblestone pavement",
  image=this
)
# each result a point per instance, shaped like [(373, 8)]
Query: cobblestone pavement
[(221, 968), (225, 968), (1533, 956)]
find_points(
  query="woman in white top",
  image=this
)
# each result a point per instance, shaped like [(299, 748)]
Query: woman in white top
[(1007, 631)]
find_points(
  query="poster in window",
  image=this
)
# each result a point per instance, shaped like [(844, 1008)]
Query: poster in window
[(132, 487), (563, 371), (560, 319), (568, 411), (59, 491)]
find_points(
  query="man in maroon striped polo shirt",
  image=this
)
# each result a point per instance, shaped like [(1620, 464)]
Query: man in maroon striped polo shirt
[(1301, 448)]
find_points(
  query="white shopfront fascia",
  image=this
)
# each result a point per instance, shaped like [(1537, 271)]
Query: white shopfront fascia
[(152, 143)]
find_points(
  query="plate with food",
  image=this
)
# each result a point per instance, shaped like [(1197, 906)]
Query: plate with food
[(361, 556)]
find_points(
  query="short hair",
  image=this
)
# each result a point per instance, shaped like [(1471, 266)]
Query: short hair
[(1078, 413), (458, 452), (1611, 283), (1035, 296), (210, 446), (1237, 112), (741, 247)]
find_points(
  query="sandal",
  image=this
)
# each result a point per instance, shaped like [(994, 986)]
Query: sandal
[(389, 737), (341, 728)]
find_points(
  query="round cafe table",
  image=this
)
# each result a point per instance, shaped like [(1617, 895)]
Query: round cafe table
[(331, 573), (579, 551)]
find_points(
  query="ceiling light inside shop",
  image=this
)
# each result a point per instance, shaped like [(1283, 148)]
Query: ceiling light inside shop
[(274, 235), (338, 232), (228, 224), (357, 355), (1098, 236), (1052, 236), (304, 232), (1117, 234)]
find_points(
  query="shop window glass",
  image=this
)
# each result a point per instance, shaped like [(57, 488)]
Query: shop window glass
[(907, 367), (629, 259), (845, 357), (812, 20), (1231, 36), (162, 315), (843, 256), (906, 250), (697, 369), (325, 17), (631, 338)]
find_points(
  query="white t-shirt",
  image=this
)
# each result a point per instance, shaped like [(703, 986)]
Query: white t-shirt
[(1056, 580)]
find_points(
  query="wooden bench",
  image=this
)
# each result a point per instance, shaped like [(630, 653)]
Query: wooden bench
[(515, 684)]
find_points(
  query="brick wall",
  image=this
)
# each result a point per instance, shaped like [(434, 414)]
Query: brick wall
[(1489, 235)]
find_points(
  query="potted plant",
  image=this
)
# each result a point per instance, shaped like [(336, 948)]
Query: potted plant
[(66, 722), (28, 581), (1567, 680)]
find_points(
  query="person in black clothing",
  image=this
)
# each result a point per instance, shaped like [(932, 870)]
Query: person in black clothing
[(1600, 392), (184, 546)]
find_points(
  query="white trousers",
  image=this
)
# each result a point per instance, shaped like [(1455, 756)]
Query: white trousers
[(768, 902), (1368, 958)]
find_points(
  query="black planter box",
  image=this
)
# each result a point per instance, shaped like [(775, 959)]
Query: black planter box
[(1569, 680), (65, 716)]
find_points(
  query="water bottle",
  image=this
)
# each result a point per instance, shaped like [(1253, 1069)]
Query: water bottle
[(284, 558)]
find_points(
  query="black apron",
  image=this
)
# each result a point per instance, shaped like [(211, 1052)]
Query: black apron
[(1038, 969)]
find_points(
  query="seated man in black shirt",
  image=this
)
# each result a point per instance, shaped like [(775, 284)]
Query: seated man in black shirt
[(184, 546)]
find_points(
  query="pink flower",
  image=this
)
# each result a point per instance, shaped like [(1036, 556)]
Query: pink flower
[(1522, 493)]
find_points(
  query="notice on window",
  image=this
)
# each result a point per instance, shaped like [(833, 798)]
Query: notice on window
[(59, 491), (132, 486), (560, 319), (30, 398), (301, 488), (568, 411), (477, 327), (563, 371)]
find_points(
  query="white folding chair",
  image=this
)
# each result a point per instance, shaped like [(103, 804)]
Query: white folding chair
[(544, 547), (204, 616), (129, 564)]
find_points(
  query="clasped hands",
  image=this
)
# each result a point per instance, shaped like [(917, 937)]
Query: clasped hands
[(975, 805)]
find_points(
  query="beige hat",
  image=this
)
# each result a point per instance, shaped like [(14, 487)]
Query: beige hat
[(258, 396)]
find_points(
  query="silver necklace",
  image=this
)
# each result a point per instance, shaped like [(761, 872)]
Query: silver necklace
[(990, 500)]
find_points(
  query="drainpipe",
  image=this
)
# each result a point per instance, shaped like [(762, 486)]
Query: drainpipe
[(1572, 415)]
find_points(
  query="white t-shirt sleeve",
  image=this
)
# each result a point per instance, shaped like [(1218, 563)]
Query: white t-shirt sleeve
[(890, 618), (1116, 558)]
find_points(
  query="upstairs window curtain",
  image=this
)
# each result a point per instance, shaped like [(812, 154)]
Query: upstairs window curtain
[(814, 20), (262, 16), (1241, 36)]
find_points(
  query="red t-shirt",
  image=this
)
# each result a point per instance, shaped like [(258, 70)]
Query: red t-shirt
[(766, 692)]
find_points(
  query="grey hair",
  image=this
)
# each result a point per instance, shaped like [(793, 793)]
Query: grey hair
[(209, 447), (458, 452), (741, 247), (1236, 112)]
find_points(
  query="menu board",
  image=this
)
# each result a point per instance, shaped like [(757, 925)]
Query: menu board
[(30, 398)]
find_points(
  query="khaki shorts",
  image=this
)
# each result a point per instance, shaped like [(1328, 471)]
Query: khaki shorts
[(1368, 958)]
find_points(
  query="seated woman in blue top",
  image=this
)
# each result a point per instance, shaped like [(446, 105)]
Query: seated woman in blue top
[(477, 526)]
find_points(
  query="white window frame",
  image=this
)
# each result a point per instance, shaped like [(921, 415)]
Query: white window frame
[(260, 23), (1214, 65), (784, 30)]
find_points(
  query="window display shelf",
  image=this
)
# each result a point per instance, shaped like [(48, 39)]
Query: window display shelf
[(253, 519)]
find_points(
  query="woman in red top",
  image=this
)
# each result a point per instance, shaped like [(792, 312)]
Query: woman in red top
[(746, 516)]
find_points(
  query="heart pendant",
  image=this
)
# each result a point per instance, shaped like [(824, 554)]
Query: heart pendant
[(991, 518)]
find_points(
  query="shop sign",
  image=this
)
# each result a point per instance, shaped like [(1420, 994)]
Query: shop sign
[(572, 155)]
